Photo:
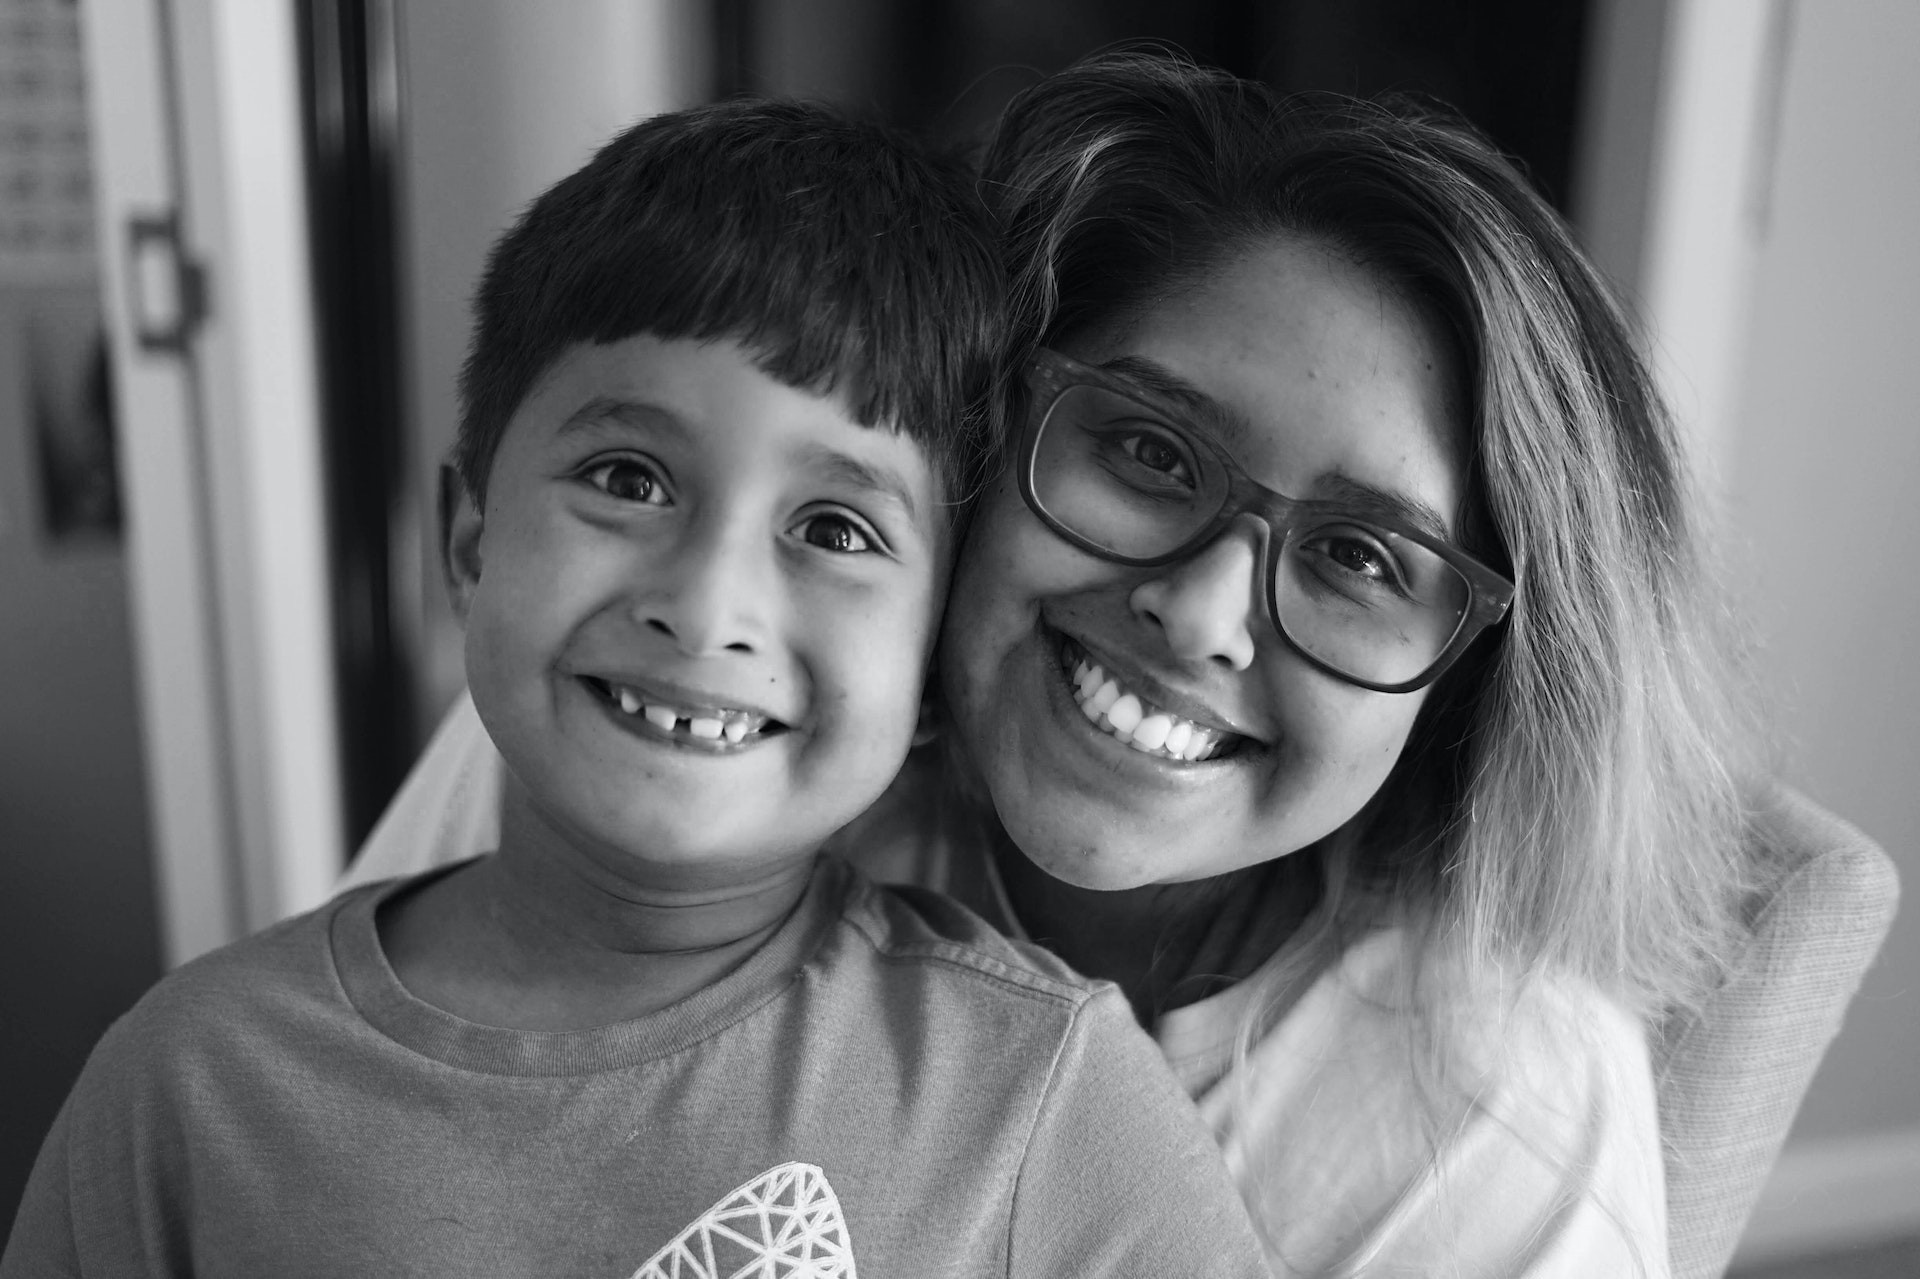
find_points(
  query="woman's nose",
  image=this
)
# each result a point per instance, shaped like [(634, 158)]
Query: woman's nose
[(709, 592), (1209, 604)]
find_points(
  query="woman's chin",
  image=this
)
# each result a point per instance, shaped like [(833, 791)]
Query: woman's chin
[(1095, 850)]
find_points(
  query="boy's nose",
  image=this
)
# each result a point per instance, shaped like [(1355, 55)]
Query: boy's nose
[(1209, 605), (709, 593)]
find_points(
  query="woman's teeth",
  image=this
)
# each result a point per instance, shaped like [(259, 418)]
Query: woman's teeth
[(1132, 719), (710, 726)]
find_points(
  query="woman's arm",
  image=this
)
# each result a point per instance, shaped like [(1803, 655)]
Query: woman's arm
[(447, 810)]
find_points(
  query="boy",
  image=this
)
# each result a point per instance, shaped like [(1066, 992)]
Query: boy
[(728, 385)]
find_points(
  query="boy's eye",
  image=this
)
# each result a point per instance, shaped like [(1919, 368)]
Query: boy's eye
[(833, 531), (628, 479)]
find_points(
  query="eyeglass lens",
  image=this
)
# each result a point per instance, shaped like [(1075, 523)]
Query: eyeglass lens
[(1363, 599)]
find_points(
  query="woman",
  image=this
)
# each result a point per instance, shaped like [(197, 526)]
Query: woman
[(1331, 668)]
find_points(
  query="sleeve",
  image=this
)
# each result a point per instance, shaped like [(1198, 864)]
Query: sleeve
[(1120, 1176), (447, 810), (42, 1241)]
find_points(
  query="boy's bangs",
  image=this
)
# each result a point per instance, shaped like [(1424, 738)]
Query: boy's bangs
[(848, 260)]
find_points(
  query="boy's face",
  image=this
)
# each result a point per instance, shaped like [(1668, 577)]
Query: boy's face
[(699, 606)]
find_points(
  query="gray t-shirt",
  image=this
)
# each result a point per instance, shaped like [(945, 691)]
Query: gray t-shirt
[(886, 1086)]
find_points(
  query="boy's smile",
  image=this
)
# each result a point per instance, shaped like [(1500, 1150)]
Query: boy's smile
[(699, 605), (693, 719)]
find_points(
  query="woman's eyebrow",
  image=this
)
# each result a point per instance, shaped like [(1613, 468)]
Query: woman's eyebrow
[(1371, 499), (1168, 385), (1228, 425)]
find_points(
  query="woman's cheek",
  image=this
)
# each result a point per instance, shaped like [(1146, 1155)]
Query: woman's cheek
[(1339, 742)]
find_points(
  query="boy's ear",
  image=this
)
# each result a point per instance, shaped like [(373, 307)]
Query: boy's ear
[(460, 526)]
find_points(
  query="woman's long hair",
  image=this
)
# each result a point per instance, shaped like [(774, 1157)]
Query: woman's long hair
[(1574, 793)]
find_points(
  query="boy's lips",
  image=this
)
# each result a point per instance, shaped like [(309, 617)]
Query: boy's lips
[(683, 716)]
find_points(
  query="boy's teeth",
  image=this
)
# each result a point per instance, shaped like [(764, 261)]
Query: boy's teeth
[(733, 726), (1130, 718)]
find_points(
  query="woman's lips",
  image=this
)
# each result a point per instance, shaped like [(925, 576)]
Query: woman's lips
[(1133, 719)]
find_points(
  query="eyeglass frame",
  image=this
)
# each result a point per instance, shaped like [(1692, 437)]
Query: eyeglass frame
[(1050, 375)]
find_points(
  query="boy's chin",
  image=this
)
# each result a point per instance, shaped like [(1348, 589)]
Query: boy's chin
[(693, 872), (714, 845)]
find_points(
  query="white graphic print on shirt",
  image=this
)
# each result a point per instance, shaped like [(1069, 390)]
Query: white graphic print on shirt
[(784, 1224)]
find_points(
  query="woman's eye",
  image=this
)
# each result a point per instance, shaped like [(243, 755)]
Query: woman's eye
[(628, 480), (838, 533), (1147, 459), (1156, 454), (1355, 555)]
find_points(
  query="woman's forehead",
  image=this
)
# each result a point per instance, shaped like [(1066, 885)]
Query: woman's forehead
[(1308, 367)]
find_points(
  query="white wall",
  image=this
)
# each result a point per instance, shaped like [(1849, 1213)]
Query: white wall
[(1824, 477), (1823, 473), (1751, 174), (501, 99)]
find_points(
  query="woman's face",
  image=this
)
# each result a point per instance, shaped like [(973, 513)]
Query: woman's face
[(1323, 385)]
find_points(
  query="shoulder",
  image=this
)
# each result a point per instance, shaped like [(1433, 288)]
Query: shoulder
[(922, 929), (228, 1005), (921, 965), (1506, 1123), (1483, 1022), (1549, 1057), (290, 957), (1550, 1049), (214, 1039)]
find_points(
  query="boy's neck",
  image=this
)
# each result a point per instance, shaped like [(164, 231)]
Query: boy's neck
[(545, 936)]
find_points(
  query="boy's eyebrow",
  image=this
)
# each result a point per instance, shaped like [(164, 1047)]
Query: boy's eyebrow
[(604, 408), (833, 465), (1228, 425), (828, 463)]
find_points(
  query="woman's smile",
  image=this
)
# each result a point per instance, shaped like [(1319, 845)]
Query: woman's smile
[(1116, 705)]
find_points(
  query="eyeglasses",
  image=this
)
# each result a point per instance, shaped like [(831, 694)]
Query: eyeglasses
[(1118, 473)]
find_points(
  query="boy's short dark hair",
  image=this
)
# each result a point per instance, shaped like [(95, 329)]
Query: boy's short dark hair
[(846, 257)]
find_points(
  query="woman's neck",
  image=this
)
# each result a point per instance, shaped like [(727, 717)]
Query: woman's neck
[(1164, 945)]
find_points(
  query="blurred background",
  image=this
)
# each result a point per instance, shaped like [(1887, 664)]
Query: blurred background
[(237, 239)]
